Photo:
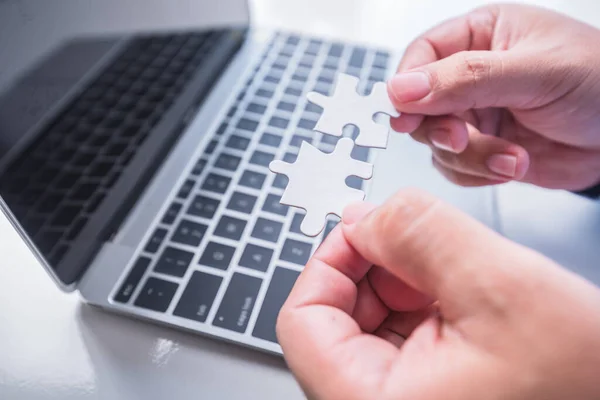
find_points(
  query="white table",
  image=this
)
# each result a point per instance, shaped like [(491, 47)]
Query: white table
[(52, 346)]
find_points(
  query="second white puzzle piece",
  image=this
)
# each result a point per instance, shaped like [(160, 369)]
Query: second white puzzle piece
[(317, 182)]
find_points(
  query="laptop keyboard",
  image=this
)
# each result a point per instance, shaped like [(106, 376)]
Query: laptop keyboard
[(66, 174), (225, 252)]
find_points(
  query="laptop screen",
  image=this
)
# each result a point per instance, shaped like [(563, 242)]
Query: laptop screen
[(85, 87)]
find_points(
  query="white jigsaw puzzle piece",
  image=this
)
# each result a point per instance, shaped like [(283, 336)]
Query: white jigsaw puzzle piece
[(317, 182), (345, 106)]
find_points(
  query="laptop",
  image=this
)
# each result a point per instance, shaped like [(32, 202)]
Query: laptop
[(134, 153)]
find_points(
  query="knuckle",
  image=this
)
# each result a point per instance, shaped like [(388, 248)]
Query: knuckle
[(475, 68)]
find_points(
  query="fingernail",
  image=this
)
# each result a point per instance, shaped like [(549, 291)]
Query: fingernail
[(409, 86), (355, 212), (440, 138), (503, 164)]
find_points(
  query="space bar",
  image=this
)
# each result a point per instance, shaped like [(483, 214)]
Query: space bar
[(280, 287)]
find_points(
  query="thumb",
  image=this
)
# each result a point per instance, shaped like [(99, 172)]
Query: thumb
[(472, 80), (442, 253)]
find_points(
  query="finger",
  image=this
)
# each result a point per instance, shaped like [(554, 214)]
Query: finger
[(436, 249), (398, 326), (369, 310), (406, 123), (475, 80), (448, 133), (464, 179), (472, 31), (317, 333), (467, 32), (395, 294), (486, 156)]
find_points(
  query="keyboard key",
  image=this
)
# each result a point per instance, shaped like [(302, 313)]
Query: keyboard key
[(155, 240), (285, 106), (293, 91), (325, 78), (252, 179), (237, 142), (264, 93), (266, 229), (156, 294), (204, 207), (313, 47), (295, 251), (307, 61), (280, 181), (357, 58), (242, 202), (228, 162), (256, 257), (272, 204), (298, 139), (217, 255), (261, 158), (198, 297), (247, 124), (256, 108), (210, 148), (336, 50), (188, 232), (377, 74), (360, 153), (323, 88), (329, 139), (236, 307), (133, 279), (354, 182), (186, 189), (380, 61), (199, 167), (329, 227), (216, 183), (310, 107), (230, 228), (279, 65), (299, 78), (222, 128), (173, 262), (279, 122), (290, 157), (171, 213), (270, 139), (331, 63), (353, 71), (293, 40), (272, 79), (281, 285), (296, 223), (287, 51)]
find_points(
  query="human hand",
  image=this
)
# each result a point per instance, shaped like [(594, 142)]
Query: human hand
[(506, 92), (507, 323)]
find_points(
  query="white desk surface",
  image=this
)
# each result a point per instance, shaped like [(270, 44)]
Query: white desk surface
[(54, 347)]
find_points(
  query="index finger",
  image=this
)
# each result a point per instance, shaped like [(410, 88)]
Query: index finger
[(323, 345), (472, 31)]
